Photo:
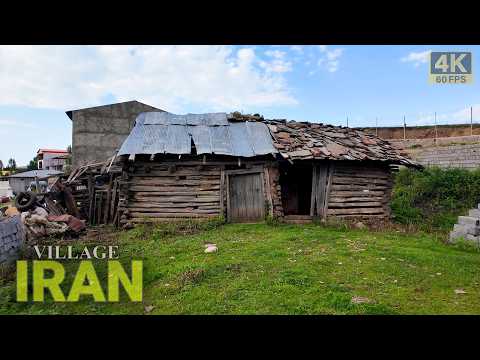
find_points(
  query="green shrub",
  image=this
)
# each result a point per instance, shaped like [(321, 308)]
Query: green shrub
[(433, 198)]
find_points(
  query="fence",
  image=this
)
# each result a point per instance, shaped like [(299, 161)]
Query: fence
[(431, 126)]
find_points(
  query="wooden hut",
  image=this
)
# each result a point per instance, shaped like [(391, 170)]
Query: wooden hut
[(246, 168)]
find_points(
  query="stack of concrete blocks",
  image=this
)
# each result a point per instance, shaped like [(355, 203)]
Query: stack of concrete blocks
[(12, 237), (468, 227)]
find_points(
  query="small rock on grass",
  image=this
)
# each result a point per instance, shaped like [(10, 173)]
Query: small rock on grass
[(460, 291), (360, 300), (149, 308), (211, 248)]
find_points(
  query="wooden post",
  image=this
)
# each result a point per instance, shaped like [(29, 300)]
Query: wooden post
[(404, 128), (471, 120), (91, 193), (222, 192)]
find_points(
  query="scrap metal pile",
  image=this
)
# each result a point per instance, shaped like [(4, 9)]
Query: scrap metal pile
[(46, 214)]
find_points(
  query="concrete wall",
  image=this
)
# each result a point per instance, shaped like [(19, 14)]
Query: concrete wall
[(455, 156), (12, 237), (456, 152), (19, 184), (97, 133), (5, 189)]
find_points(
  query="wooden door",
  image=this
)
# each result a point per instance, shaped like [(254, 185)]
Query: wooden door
[(246, 198), (321, 176)]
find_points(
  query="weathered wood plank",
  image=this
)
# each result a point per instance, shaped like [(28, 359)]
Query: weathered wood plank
[(182, 211), (358, 180), (338, 199), (358, 187), (186, 198), (174, 193), (353, 211), (135, 214), (358, 193), (171, 204), (335, 205)]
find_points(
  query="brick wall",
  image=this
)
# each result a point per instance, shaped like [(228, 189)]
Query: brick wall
[(11, 238)]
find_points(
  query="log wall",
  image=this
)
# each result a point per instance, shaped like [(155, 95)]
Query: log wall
[(359, 190), (162, 192)]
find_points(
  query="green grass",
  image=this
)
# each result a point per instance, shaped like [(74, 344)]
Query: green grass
[(286, 269)]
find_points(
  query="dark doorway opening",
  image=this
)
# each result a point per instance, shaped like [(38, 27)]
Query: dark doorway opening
[(296, 183)]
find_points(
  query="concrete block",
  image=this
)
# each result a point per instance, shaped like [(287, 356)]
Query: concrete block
[(466, 229), (474, 213), (467, 220), (475, 239), (455, 235)]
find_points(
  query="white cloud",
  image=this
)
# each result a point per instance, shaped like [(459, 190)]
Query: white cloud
[(461, 116), (417, 58), (214, 77), (330, 58), (278, 62), (297, 48)]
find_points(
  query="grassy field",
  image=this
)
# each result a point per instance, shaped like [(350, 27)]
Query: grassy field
[(285, 269)]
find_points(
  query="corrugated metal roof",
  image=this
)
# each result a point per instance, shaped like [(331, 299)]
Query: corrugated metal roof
[(41, 174), (160, 132)]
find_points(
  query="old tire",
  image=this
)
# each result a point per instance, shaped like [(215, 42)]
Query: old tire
[(25, 201)]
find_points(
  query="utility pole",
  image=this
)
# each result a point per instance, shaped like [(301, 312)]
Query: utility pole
[(376, 126), (404, 128), (436, 131), (347, 121)]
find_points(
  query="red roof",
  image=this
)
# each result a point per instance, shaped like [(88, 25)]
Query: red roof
[(56, 151)]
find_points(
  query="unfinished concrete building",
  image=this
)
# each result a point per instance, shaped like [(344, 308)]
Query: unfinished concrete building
[(98, 132)]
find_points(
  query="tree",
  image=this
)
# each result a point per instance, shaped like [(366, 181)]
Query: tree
[(12, 164), (1, 165), (32, 165)]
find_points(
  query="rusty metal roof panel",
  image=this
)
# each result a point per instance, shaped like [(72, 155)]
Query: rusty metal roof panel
[(242, 146), (260, 138), (212, 133)]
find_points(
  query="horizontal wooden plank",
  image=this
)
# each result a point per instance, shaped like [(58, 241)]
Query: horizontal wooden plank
[(182, 188), (357, 180), (362, 175), (160, 188), (175, 193), (157, 204), (179, 172), (183, 199), (172, 212), (166, 220), (169, 216), (354, 211), (354, 204), (362, 216), (346, 199), (146, 180), (358, 187), (358, 193)]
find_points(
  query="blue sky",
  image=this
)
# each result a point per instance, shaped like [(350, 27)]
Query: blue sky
[(310, 83)]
